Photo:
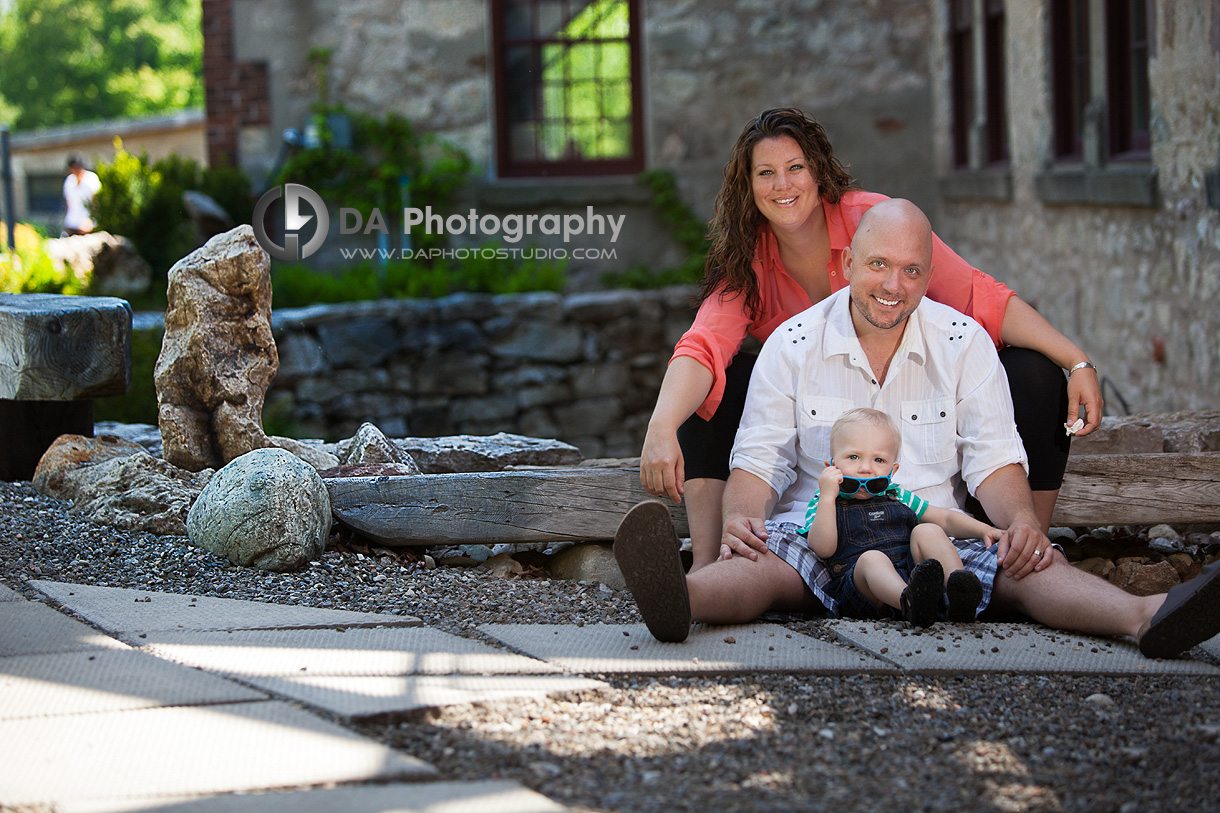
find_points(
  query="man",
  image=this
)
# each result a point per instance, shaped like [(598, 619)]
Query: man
[(879, 343), (79, 188)]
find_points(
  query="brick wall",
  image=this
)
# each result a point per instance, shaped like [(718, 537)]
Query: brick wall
[(236, 91)]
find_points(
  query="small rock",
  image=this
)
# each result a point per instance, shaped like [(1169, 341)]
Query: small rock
[(1164, 531), (592, 561), (1097, 565), (480, 553), (1187, 566), (53, 476), (370, 445), (1145, 579), (503, 565), (1166, 546), (1060, 534), (1100, 700)]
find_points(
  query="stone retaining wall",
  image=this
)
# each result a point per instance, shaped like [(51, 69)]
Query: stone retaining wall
[(582, 368)]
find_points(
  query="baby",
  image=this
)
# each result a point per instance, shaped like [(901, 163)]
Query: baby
[(885, 548)]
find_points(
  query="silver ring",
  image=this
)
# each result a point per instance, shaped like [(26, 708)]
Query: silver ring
[(1037, 552)]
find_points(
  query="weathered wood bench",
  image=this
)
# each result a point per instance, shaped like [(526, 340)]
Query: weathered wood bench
[(586, 503), (57, 354)]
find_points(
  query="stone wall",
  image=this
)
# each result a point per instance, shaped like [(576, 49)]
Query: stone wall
[(1135, 286), (582, 368)]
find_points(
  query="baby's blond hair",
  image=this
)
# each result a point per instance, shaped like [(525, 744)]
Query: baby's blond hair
[(864, 415)]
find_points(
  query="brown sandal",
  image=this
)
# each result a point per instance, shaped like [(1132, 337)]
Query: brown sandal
[(646, 549)]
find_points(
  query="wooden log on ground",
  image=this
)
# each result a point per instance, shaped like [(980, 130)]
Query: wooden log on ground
[(1140, 489), (541, 505), (546, 505)]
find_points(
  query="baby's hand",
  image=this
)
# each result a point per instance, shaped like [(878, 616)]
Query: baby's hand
[(829, 480), (992, 536)]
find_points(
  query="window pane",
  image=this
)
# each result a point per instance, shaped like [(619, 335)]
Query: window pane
[(517, 19), (519, 78), (572, 76), (550, 19)]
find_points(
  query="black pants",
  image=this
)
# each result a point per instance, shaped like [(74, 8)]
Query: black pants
[(1040, 403)]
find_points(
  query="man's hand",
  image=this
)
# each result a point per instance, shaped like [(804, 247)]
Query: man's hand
[(744, 536), (1024, 549)]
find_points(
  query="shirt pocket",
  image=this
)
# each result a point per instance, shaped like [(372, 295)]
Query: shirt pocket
[(817, 416), (929, 430)]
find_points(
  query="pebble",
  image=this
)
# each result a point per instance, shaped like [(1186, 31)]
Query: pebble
[(722, 743)]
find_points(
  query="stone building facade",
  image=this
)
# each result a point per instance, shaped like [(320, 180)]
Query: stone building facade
[(708, 67), (1123, 256)]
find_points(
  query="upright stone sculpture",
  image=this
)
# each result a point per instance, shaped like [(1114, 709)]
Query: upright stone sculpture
[(218, 356)]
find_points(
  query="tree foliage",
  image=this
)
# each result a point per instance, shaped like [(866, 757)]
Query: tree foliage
[(78, 60)]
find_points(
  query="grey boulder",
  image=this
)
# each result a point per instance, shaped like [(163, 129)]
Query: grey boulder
[(266, 509)]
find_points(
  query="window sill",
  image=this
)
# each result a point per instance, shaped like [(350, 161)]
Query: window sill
[(972, 184), (532, 193), (1113, 186)]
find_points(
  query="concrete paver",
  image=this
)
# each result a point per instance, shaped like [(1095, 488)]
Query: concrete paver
[(354, 697), (9, 594), (184, 751), (430, 797), (354, 652), (106, 680), (960, 649), (119, 610), (709, 650), (33, 628)]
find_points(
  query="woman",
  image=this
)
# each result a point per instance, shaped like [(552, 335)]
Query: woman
[(785, 211)]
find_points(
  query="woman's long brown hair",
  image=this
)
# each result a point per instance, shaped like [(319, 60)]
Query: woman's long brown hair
[(733, 231)]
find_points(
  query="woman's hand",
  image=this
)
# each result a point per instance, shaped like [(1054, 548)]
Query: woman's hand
[(662, 470), (1084, 390)]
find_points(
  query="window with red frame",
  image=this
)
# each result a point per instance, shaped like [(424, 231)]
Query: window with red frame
[(968, 34), (1124, 64), (568, 96)]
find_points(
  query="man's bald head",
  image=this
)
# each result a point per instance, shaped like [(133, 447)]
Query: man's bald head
[(888, 265), (899, 218)]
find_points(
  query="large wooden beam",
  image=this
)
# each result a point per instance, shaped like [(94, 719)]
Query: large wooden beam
[(541, 505), (547, 505), (1140, 489), (63, 348)]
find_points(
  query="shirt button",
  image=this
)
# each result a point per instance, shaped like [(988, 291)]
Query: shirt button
[(914, 417)]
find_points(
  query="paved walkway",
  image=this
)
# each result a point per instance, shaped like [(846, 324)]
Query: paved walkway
[(198, 705)]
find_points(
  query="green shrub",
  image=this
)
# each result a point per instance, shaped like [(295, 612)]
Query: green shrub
[(143, 201), (295, 285), (688, 230), (30, 270)]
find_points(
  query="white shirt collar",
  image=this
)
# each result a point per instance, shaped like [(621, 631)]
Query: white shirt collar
[(840, 337)]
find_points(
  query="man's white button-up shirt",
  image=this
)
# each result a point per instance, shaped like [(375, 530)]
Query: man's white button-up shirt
[(945, 388)]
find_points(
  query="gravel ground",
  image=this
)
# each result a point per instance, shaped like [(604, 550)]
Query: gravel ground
[(772, 742)]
